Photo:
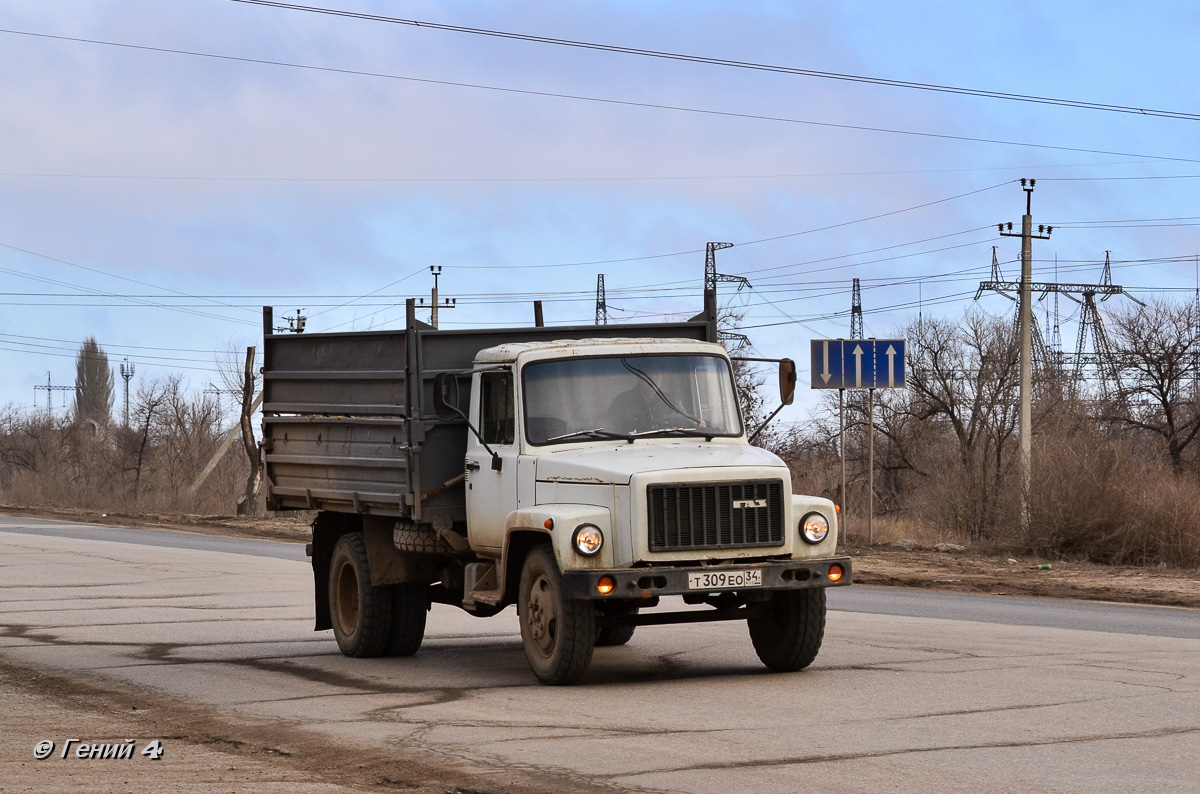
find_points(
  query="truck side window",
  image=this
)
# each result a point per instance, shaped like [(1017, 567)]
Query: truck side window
[(496, 409)]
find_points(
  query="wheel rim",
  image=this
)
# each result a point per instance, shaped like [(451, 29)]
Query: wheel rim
[(347, 598), (542, 617)]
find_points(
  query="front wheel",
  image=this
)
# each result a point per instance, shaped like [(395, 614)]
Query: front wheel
[(558, 633), (788, 635)]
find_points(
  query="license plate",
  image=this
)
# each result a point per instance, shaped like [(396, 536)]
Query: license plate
[(724, 580)]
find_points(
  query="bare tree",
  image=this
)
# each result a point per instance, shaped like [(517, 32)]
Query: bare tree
[(151, 398), (244, 381), (954, 422), (93, 384), (1157, 352)]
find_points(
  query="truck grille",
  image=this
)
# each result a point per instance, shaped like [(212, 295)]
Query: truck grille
[(732, 515)]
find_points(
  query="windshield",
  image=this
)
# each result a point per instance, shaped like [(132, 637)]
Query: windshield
[(627, 397)]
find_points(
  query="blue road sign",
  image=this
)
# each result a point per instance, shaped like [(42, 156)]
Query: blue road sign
[(889, 363), (827, 364), (857, 364)]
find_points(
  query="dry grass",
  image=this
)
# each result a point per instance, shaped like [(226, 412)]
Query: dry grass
[(886, 529)]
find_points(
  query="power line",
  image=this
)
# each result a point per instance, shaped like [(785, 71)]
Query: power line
[(141, 357), (541, 179), (602, 100), (369, 294), (121, 347), (75, 356), (97, 271), (749, 65), (100, 293)]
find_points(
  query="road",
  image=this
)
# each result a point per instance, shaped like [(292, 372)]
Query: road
[(913, 691)]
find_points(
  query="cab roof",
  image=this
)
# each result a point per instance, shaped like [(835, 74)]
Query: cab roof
[(509, 351)]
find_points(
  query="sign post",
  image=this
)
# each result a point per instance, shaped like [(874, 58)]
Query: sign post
[(858, 364)]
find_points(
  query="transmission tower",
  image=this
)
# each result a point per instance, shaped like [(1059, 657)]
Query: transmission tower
[(711, 276), (1101, 359), (50, 389), (734, 341), (601, 302), (127, 375), (856, 322), (996, 274), (1055, 348)]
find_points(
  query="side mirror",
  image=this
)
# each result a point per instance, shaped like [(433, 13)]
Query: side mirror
[(446, 396), (787, 381)]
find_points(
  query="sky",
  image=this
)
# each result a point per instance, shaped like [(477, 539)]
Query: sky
[(168, 168)]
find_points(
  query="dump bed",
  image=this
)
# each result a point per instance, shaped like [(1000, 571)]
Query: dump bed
[(349, 422)]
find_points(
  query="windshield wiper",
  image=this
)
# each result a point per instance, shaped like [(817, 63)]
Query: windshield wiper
[(707, 435), (598, 432)]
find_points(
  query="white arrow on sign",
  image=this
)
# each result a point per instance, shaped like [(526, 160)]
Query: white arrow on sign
[(826, 375), (891, 356), (858, 354)]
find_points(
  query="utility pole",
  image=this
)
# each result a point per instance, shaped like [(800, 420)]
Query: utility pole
[(126, 375), (601, 301), (436, 270), (1026, 341), (295, 324)]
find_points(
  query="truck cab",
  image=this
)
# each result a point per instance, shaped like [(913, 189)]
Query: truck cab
[(628, 461)]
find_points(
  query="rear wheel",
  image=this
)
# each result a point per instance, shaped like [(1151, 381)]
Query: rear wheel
[(788, 635), (558, 632), (410, 606), (361, 614)]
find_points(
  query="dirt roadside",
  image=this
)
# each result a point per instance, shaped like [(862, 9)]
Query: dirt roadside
[(971, 571), (203, 752)]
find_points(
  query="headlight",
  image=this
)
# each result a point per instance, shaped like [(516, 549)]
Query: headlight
[(587, 539), (814, 527)]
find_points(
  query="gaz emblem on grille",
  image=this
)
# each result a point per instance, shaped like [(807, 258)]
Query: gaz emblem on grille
[(744, 504)]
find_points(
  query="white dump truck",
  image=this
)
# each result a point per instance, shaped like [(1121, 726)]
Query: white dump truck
[(583, 474)]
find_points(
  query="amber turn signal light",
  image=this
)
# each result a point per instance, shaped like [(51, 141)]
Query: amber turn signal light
[(605, 585), (836, 573), (549, 523)]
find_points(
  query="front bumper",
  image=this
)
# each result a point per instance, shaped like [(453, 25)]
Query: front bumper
[(645, 583)]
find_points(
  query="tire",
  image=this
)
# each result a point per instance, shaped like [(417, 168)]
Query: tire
[(558, 633), (616, 635), (361, 614), (410, 606), (420, 539), (788, 637)]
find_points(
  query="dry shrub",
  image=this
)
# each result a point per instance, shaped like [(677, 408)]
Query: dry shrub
[(1107, 500), (150, 466)]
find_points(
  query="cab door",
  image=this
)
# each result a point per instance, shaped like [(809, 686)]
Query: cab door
[(492, 481)]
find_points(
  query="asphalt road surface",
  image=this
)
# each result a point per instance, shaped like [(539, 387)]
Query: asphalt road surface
[(913, 691)]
